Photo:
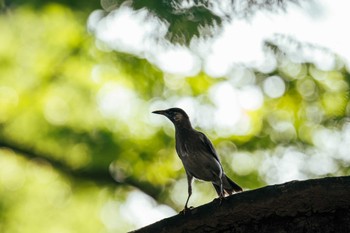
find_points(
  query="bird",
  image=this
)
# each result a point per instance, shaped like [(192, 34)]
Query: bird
[(198, 155)]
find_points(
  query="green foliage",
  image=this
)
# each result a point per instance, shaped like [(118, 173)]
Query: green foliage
[(198, 18), (76, 133), (82, 6), (52, 84), (184, 24)]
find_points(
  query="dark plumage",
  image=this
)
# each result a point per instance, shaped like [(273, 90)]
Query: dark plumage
[(198, 155)]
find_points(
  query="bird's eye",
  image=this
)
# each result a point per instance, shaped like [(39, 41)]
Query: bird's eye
[(177, 116)]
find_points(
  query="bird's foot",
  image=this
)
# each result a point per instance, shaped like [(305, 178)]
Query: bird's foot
[(186, 210), (220, 199)]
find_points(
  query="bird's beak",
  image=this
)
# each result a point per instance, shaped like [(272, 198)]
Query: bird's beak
[(161, 112)]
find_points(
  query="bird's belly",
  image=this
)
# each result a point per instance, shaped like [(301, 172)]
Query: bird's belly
[(202, 168)]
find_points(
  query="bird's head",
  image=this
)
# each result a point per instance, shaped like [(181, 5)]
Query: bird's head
[(176, 115)]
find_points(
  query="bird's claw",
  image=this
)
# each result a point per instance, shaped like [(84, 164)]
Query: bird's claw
[(221, 199), (186, 210)]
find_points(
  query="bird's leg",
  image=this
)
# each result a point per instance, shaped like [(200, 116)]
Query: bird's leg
[(188, 198), (189, 182)]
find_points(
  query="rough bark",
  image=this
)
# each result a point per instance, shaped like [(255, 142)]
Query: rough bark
[(318, 205)]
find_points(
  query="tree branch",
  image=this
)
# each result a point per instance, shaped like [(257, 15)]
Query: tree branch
[(319, 205), (102, 177)]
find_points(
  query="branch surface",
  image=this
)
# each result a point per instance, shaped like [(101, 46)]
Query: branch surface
[(318, 205)]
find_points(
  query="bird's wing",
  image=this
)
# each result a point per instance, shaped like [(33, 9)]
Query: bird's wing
[(209, 146)]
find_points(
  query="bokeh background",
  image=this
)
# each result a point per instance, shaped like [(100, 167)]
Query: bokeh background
[(80, 151)]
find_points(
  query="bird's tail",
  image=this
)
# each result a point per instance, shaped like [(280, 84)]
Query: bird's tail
[(232, 187), (228, 185)]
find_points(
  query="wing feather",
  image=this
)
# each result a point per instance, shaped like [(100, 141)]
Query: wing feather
[(209, 146)]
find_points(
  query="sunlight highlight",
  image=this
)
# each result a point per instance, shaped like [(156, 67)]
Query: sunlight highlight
[(137, 204), (239, 42)]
